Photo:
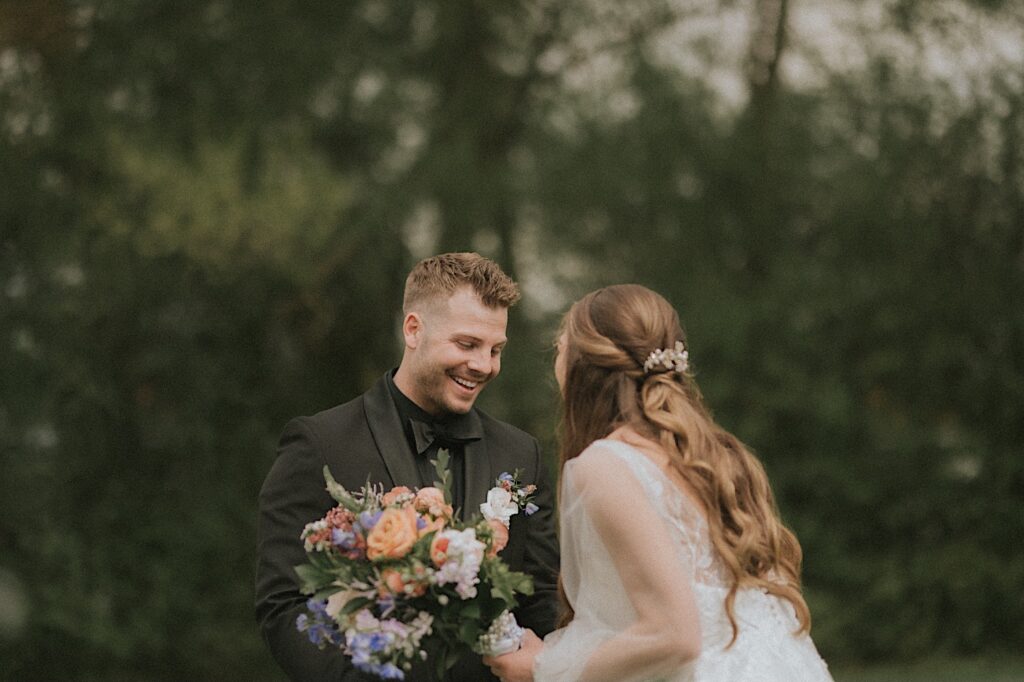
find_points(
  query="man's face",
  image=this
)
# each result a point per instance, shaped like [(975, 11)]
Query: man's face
[(453, 351)]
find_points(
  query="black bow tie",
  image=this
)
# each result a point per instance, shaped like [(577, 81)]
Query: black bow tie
[(428, 434)]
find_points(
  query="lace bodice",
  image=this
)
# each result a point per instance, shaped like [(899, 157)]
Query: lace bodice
[(613, 494), (680, 513)]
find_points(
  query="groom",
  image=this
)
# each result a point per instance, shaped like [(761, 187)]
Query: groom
[(456, 312)]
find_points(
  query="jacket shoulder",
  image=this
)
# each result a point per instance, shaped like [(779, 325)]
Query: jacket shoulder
[(327, 424)]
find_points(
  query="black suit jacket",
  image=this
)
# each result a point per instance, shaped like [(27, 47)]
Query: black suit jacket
[(363, 439)]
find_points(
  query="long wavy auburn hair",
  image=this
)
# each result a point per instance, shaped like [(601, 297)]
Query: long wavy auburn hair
[(609, 334)]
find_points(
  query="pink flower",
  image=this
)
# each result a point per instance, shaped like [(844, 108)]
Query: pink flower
[(430, 500), (392, 496), (439, 550), (434, 525), (393, 582), (500, 538)]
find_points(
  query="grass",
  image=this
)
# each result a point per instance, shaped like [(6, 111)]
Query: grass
[(938, 670)]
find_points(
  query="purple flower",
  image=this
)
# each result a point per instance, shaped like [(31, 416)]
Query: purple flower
[(530, 508), (506, 476)]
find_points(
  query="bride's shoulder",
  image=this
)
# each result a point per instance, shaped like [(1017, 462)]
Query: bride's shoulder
[(609, 459), (605, 450), (604, 470)]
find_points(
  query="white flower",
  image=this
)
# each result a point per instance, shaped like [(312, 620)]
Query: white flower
[(462, 562), (499, 506)]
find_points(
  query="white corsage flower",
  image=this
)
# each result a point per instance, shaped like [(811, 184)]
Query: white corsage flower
[(499, 506)]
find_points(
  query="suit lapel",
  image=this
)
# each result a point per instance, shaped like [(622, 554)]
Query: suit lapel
[(389, 436), (478, 472)]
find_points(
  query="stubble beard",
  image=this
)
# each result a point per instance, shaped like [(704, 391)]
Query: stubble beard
[(433, 387)]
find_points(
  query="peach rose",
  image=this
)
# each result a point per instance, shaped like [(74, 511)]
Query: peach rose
[(391, 581), (394, 534), (431, 500), (500, 537), (430, 526), (391, 496), (439, 550)]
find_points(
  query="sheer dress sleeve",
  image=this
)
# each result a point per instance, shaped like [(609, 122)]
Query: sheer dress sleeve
[(625, 574)]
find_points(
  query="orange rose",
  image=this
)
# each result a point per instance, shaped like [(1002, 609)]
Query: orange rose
[(431, 500), (500, 538), (394, 534), (391, 496), (439, 550)]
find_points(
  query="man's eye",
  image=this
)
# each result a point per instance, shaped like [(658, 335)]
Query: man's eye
[(465, 345), (495, 352)]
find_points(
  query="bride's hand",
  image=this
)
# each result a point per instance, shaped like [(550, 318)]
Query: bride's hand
[(518, 665)]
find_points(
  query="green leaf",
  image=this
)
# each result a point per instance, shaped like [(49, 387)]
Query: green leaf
[(471, 611), (355, 604), (325, 593), (469, 631), (339, 493), (444, 474), (312, 578)]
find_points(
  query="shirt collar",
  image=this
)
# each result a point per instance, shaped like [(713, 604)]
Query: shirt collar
[(458, 426)]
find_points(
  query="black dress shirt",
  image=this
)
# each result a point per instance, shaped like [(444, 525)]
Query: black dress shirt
[(426, 434)]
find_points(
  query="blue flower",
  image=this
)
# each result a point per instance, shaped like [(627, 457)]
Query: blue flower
[(530, 508), (320, 628), (378, 642), (506, 476), (367, 520), (390, 671), (317, 634), (317, 607), (343, 538), (359, 647)]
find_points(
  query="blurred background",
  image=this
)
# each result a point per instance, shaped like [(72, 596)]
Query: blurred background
[(208, 208)]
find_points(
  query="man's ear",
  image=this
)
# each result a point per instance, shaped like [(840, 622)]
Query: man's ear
[(412, 329)]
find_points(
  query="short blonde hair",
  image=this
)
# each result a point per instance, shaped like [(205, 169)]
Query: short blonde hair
[(439, 276)]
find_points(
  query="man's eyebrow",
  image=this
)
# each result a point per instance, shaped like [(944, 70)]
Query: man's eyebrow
[(463, 336)]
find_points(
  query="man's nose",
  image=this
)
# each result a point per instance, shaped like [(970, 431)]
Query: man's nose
[(480, 362)]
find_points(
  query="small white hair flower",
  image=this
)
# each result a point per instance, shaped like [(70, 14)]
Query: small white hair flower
[(677, 359)]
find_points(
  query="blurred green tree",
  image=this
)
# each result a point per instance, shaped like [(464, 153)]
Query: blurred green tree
[(207, 211)]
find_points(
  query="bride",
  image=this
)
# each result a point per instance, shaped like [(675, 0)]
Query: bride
[(675, 565)]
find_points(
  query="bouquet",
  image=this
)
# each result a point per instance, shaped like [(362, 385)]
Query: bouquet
[(394, 577)]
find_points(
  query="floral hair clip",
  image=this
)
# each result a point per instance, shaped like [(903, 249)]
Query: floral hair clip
[(677, 359)]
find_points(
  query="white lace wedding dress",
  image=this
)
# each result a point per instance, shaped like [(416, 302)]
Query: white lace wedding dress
[(624, 522)]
